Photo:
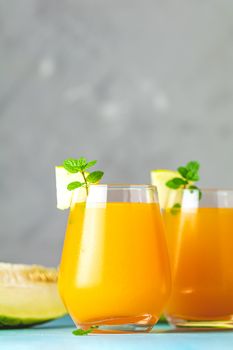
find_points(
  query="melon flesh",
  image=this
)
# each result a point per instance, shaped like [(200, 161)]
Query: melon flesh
[(28, 295)]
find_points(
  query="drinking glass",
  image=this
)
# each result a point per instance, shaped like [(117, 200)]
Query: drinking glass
[(200, 242), (114, 274)]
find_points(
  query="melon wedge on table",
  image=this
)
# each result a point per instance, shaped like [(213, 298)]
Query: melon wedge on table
[(64, 196), (28, 295)]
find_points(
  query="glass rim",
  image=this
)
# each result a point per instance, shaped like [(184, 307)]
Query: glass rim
[(123, 186), (150, 186), (210, 190)]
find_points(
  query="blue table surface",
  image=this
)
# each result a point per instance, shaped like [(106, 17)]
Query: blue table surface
[(58, 335)]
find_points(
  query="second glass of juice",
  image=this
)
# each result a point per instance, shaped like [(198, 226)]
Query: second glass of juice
[(114, 272), (200, 242)]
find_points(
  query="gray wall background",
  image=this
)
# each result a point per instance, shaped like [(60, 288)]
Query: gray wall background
[(135, 84)]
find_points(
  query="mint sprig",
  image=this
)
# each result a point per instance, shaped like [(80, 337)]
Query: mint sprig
[(80, 165), (189, 174), (84, 332)]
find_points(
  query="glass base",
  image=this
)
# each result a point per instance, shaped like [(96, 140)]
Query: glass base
[(138, 324), (200, 324)]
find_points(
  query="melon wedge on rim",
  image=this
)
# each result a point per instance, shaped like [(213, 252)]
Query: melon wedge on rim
[(167, 196), (63, 178)]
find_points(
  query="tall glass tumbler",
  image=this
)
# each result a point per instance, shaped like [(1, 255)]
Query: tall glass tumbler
[(200, 242), (114, 272)]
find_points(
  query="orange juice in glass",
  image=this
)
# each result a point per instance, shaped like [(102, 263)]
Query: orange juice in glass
[(200, 242), (114, 271)]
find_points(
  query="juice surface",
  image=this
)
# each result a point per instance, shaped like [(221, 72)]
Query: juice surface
[(114, 263), (200, 244)]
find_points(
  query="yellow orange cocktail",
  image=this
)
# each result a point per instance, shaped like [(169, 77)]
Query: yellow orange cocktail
[(114, 271), (200, 242)]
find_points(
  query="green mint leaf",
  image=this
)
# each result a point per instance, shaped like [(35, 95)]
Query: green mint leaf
[(73, 185), (192, 171), (90, 164), (82, 162), (81, 332), (95, 176), (200, 194), (176, 208), (192, 187), (193, 166), (183, 171), (176, 183), (84, 332), (192, 176), (71, 165)]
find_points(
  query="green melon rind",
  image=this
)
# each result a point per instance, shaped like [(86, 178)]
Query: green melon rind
[(11, 322)]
